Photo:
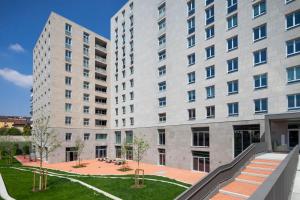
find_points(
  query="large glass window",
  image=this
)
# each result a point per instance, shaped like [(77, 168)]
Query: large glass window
[(200, 138), (232, 21), (231, 6), (232, 65), (260, 81), (191, 59), (209, 13), (210, 32), (293, 101), (293, 47), (293, 74), (260, 32), (233, 109), (201, 161), (233, 87), (161, 137), (261, 105), (210, 52), (191, 25), (210, 92), (232, 43), (293, 19), (210, 71), (259, 9), (260, 57), (191, 77), (192, 96)]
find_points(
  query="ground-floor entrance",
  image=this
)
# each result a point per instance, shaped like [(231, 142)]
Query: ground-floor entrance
[(101, 151), (293, 135), (244, 136), (71, 154)]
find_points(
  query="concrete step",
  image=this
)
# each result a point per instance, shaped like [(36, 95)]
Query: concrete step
[(250, 179), (261, 167), (256, 172), (239, 189), (221, 196)]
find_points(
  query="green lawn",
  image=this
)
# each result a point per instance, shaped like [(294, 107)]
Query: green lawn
[(19, 186)]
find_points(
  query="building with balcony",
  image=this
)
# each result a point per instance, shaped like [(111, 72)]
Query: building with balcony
[(71, 86)]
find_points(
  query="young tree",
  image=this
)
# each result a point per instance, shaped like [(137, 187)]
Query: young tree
[(140, 146), (124, 148), (45, 142), (79, 145), (8, 146)]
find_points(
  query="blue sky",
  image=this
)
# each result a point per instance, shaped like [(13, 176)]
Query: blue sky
[(20, 25)]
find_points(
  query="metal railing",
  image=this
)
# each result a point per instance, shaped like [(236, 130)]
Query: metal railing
[(214, 179), (278, 185)]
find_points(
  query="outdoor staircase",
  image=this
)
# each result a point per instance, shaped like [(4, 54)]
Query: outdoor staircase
[(247, 182)]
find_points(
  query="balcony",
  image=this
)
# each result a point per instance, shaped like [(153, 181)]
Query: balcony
[(100, 89), (100, 59), (100, 70), (68, 46), (100, 100), (68, 33), (100, 77), (100, 48)]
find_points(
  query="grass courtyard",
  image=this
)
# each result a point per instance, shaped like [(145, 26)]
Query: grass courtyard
[(19, 186)]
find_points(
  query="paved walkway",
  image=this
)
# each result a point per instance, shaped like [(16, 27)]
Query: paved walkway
[(296, 187), (94, 167)]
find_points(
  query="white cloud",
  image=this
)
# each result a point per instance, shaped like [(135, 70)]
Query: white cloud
[(16, 48), (16, 77)]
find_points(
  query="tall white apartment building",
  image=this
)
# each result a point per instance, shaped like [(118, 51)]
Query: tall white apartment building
[(71, 86), (202, 80)]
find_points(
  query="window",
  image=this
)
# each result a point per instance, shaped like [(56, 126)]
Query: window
[(192, 114), (261, 105), (162, 10), (260, 57), (191, 25), (210, 92), (293, 101), (191, 7), (162, 86), (101, 136), (209, 13), (232, 22), (293, 47), (86, 73), (191, 77), (118, 137), (293, 74), (259, 9), (86, 136), (68, 107), (85, 50), (68, 120), (68, 94), (162, 55), (231, 6), (162, 117), (86, 37), (131, 121), (233, 87), (68, 136), (207, 2), (210, 72), (232, 65), (210, 32), (210, 52), (292, 19), (260, 32), (68, 67), (131, 83), (68, 29), (86, 122), (162, 24), (100, 122), (85, 62), (123, 97), (68, 55), (162, 70), (162, 40), (131, 95), (124, 85), (86, 109), (232, 43), (191, 59), (86, 97), (161, 137), (233, 109), (162, 102), (86, 85), (129, 137), (68, 42), (210, 111), (191, 41), (131, 108), (68, 80), (191, 96), (260, 81), (200, 138)]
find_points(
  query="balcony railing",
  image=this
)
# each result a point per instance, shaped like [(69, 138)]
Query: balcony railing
[(99, 47), (100, 70), (100, 59)]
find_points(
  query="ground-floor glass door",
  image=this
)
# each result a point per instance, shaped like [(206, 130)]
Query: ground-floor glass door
[(201, 161), (71, 154), (118, 152), (101, 151), (293, 138), (129, 153)]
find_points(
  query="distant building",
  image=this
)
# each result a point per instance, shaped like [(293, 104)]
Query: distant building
[(14, 122)]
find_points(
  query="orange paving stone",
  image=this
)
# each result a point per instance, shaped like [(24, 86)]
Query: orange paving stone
[(255, 171), (246, 177), (262, 166), (220, 196), (242, 188), (94, 167)]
